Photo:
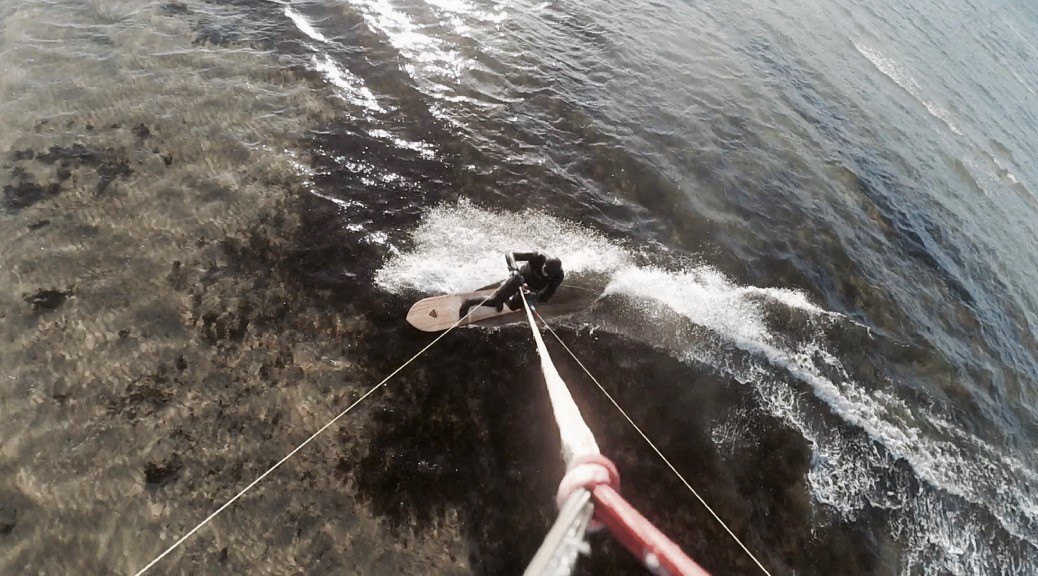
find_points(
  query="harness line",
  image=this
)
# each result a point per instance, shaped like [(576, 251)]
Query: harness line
[(588, 471), (655, 449), (577, 439), (565, 542), (301, 446)]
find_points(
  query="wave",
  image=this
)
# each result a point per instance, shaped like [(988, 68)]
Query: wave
[(304, 26), (893, 70), (435, 64), (350, 87), (701, 316)]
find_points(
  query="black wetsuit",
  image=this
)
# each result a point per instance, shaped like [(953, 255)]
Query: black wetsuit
[(532, 274)]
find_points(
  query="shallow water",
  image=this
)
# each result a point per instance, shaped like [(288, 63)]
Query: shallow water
[(806, 232)]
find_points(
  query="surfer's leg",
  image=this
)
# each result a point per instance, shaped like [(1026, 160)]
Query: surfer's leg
[(515, 302), (497, 301), (506, 291), (466, 304)]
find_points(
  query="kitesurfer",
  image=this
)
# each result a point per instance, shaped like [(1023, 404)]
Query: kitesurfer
[(541, 276)]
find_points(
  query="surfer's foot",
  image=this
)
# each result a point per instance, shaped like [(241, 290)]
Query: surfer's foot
[(464, 310)]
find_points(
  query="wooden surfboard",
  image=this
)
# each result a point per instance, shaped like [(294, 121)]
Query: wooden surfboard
[(441, 312)]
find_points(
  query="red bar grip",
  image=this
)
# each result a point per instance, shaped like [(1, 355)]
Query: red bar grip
[(657, 552)]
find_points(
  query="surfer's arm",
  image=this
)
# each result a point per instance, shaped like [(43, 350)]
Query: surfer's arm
[(512, 257), (549, 290)]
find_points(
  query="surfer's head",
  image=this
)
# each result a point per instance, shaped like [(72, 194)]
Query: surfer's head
[(552, 267)]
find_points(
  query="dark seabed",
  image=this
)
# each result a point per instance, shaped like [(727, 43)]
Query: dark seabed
[(805, 233)]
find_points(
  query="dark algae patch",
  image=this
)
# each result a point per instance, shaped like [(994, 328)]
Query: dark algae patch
[(47, 300), (27, 193), (141, 131), (148, 395), (110, 170), (109, 164), (25, 190), (175, 9), (158, 474), (8, 519)]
